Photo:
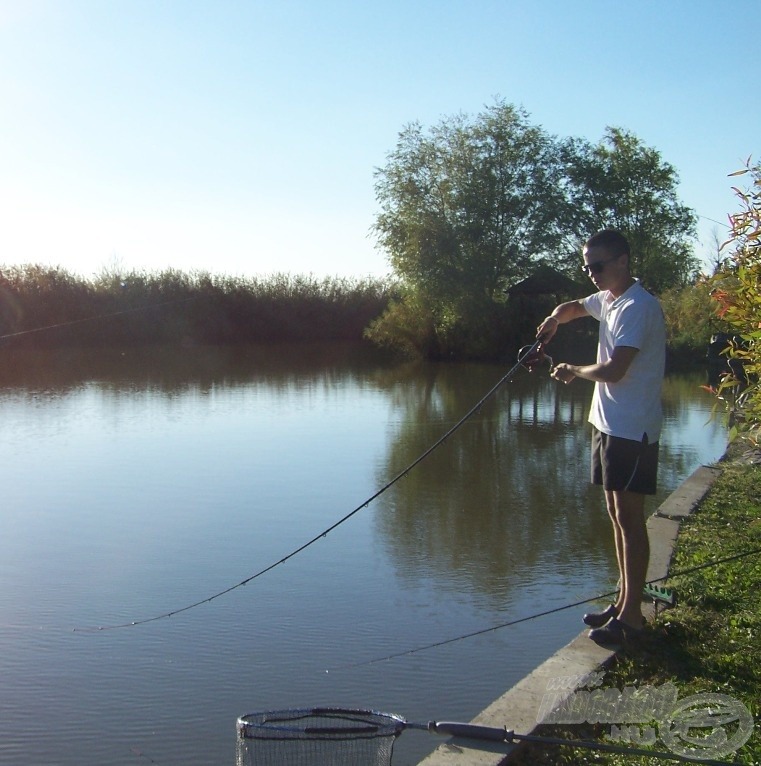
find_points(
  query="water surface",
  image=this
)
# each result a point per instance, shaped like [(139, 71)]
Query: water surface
[(138, 483)]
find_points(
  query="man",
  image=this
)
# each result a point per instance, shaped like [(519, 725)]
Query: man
[(626, 414)]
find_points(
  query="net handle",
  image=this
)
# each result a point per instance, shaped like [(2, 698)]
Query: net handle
[(471, 730)]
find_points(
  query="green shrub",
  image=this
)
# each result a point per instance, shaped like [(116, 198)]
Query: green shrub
[(737, 293), (691, 319)]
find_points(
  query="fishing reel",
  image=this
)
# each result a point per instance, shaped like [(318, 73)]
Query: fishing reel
[(532, 357)]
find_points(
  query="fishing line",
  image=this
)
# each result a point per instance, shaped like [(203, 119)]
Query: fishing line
[(96, 317), (713, 220), (526, 352), (535, 616)]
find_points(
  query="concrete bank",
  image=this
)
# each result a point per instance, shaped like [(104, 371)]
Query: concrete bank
[(523, 707)]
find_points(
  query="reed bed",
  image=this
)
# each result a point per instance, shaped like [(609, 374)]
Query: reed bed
[(43, 306)]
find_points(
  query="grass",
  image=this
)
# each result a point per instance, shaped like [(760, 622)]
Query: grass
[(711, 641)]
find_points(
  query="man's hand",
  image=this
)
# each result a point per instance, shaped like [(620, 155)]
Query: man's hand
[(563, 372), (547, 329)]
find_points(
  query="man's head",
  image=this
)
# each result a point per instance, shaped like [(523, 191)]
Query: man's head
[(606, 260)]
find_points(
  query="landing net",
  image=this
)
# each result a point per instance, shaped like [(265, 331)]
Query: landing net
[(308, 737)]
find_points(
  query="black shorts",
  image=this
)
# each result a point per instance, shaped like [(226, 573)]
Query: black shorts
[(624, 464)]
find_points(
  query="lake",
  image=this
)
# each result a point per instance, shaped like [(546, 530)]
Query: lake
[(139, 483)]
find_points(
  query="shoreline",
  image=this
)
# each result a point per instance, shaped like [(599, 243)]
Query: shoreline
[(529, 703)]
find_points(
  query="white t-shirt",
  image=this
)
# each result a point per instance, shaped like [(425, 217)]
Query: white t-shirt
[(630, 408)]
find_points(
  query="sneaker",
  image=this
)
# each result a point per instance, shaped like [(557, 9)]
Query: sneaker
[(614, 632), (598, 619)]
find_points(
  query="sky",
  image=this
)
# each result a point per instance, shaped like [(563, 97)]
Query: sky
[(241, 138)]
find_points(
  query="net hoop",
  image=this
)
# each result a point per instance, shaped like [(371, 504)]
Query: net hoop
[(323, 723)]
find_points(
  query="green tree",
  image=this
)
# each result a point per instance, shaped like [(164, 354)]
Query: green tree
[(622, 184), (473, 205), (690, 319), (737, 292), (466, 208)]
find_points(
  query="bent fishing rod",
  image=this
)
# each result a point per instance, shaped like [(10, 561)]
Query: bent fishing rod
[(530, 354)]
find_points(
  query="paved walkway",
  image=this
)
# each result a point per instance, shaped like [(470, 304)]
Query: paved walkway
[(523, 707)]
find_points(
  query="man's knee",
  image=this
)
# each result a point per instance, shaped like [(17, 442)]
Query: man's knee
[(629, 509)]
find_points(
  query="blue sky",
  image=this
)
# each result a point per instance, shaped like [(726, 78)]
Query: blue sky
[(241, 137)]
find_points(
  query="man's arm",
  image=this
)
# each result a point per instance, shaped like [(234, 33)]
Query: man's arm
[(565, 312), (603, 372)]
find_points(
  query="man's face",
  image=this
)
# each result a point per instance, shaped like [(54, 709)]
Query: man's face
[(603, 269)]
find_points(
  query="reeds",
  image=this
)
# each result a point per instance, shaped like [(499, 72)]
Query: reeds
[(45, 306)]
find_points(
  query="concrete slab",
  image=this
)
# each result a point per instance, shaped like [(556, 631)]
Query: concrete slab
[(683, 501), (662, 533), (522, 708)]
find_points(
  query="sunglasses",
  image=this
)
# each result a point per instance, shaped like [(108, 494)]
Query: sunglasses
[(598, 266)]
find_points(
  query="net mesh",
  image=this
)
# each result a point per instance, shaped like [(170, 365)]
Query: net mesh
[(308, 737)]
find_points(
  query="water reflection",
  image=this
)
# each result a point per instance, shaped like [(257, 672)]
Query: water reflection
[(173, 370), (511, 489)]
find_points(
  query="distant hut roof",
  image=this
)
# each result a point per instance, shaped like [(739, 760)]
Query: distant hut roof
[(546, 281)]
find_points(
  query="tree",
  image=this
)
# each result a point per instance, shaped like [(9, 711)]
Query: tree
[(622, 184), (690, 319), (737, 291), (465, 209), (717, 256), (474, 205)]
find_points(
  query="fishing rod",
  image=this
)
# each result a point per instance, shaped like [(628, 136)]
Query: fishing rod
[(537, 615), (530, 354)]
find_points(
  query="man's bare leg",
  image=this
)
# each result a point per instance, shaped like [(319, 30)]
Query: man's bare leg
[(629, 510), (619, 543)]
